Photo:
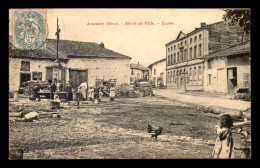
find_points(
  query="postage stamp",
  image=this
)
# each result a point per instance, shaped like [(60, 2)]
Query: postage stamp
[(29, 29)]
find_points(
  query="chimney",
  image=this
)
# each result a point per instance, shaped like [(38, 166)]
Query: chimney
[(102, 45), (202, 24)]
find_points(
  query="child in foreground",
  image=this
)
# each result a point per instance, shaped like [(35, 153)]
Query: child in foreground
[(224, 146)]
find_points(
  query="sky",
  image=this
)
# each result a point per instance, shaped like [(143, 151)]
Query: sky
[(144, 43)]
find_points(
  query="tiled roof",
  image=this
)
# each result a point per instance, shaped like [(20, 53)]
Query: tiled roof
[(67, 49), (235, 50), (86, 49), (49, 53), (164, 59), (138, 66)]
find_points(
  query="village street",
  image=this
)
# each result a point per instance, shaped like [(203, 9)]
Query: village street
[(203, 99), (116, 130)]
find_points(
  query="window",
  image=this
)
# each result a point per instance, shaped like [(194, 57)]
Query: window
[(168, 49), (181, 56), (199, 36), (132, 72), (210, 63), (37, 76), (178, 54), (199, 50), (25, 66), (174, 47), (178, 45), (174, 57), (190, 40), (185, 55), (168, 75), (190, 74), (195, 39), (171, 48), (168, 60), (138, 75), (171, 59), (195, 74), (209, 79), (195, 51), (171, 76), (185, 42), (154, 71), (25, 77), (246, 80), (181, 43), (199, 73), (190, 53)]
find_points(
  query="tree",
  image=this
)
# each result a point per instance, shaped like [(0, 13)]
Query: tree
[(240, 17)]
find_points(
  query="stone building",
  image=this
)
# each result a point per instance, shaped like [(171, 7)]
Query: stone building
[(138, 72), (157, 72), (184, 68), (227, 69), (80, 61)]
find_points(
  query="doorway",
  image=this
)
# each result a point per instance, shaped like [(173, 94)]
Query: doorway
[(232, 79), (161, 78), (221, 84), (76, 77)]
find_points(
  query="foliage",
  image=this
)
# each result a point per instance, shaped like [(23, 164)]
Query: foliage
[(240, 17)]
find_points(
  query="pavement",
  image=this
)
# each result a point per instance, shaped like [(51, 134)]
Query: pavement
[(203, 99)]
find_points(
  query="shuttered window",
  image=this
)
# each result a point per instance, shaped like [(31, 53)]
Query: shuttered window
[(25, 66)]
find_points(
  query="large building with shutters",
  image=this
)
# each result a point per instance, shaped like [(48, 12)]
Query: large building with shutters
[(184, 66), (80, 61)]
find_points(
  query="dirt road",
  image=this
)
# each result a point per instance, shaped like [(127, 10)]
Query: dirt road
[(117, 131)]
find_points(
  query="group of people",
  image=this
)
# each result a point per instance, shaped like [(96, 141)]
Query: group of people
[(95, 93), (91, 93)]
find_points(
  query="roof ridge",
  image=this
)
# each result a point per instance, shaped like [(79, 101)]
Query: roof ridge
[(73, 41)]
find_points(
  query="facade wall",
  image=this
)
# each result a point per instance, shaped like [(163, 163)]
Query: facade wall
[(136, 72), (243, 66), (214, 37), (35, 66), (188, 77), (195, 43), (218, 72), (159, 68), (99, 68), (218, 75), (103, 68)]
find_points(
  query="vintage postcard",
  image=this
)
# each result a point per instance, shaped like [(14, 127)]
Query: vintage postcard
[(149, 83)]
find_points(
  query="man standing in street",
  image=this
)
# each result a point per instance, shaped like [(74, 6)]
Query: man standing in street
[(53, 88), (83, 87)]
